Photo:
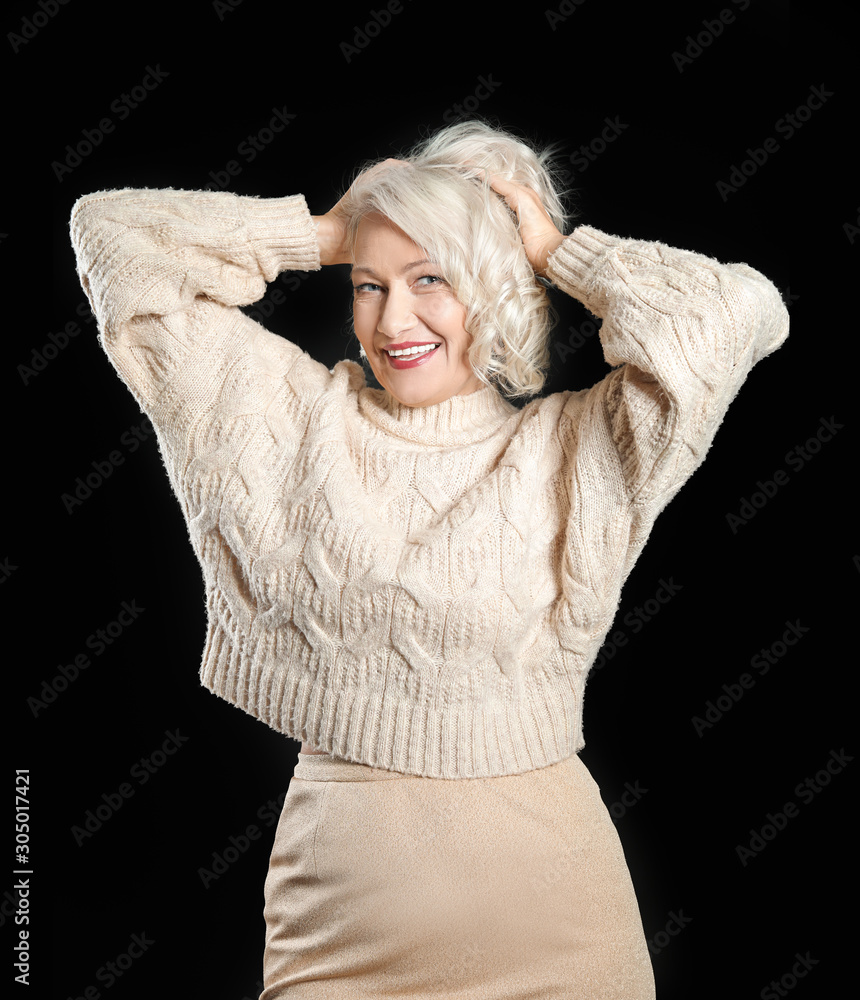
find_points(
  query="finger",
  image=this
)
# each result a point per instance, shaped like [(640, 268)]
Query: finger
[(507, 190), (500, 184)]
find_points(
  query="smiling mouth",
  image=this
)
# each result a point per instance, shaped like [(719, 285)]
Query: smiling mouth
[(412, 352)]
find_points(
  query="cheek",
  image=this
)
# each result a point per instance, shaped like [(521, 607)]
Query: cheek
[(364, 318), (447, 319), (457, 336)]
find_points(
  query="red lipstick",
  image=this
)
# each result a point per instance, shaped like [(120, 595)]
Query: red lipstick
[(413, 360)]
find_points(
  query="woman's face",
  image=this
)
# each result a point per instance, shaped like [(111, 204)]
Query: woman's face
[(400, 298)]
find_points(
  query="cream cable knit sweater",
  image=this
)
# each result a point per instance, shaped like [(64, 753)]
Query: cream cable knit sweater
[(418, 589)]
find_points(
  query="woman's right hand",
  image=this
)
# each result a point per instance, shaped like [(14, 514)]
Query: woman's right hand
[(331, 235), (331, 227)]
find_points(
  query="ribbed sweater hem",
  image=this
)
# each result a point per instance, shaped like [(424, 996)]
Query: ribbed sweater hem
[(380, 729)]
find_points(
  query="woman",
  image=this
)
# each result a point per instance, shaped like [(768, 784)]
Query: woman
[(413, 580)]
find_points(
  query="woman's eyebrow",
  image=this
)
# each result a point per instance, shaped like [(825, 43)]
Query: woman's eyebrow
[(370, 271)]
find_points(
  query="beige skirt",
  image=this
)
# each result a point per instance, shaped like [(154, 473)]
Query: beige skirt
[(383, 884)]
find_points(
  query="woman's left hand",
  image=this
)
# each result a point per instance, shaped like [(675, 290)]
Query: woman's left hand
[(537, 230)]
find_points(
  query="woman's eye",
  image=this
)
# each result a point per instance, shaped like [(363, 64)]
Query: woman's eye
[(430, 279)]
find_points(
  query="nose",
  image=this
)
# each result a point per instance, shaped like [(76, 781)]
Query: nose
[(397, 316)]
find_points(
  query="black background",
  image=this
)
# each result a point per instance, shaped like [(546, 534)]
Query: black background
[(66, 574)]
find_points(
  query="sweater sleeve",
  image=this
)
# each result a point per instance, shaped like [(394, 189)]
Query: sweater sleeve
[(166, 270), (682, 332)]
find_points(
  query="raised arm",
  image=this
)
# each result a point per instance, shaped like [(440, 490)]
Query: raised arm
[(166, 270), (683, 329), (685, 332)]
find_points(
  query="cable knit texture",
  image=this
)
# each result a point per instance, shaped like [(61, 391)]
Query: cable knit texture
[(417, 589)]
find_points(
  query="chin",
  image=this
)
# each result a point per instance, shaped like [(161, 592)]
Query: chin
[(412, 401), (417, 396)]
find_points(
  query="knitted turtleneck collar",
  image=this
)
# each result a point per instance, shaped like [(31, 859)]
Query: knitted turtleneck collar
[(457, 420)]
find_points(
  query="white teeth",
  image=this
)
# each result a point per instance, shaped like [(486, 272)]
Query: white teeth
[(413, 350)]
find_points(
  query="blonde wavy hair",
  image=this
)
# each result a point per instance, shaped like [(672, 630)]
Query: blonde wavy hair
[(445, 207)]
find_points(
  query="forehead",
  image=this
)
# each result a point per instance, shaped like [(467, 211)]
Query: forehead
[(378, 237)]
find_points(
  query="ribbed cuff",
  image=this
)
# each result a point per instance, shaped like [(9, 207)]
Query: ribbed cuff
[(281, 233), (571, 266)]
